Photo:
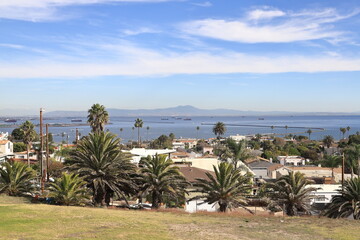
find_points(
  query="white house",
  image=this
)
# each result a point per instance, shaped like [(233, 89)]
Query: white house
[(138, 153), (238, 137), (291, 160), (6, 150), (325, 193), (4, 135)]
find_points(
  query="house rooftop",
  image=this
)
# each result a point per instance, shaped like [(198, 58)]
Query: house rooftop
[(192, 173), (3, 142)]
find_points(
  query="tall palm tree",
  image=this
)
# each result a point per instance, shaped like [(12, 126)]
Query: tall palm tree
[(348, 202), (239, 152), (348, 130), (272, 129), (197, 132), (132, 135), (99, 160), (228, 187), (353, 157), (219, 129), (328, 140), (97, 117), (161, 179), (70, 189), (343, 131), (29, 135), (147, 133), (332, 162), (121, 130), (286, 128), (16, 178), (291, 191), (138, 124), (309, 132)]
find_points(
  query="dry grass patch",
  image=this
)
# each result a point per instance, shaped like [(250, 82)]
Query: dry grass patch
[(39, 221)]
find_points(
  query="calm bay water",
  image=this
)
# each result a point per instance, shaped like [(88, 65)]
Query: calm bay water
[(187, 128)]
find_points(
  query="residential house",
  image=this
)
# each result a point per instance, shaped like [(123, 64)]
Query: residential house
[(324, 173), (260, 167), (191, 174), (291, 160), (138, 153), (6, 150), (205, 163)]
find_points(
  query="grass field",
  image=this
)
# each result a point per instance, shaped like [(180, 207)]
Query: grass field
[(21, 220)]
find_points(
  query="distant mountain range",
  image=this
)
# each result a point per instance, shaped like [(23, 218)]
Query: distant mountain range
[(186, 110)]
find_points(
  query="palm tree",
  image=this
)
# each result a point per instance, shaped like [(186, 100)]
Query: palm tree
[(272, 129), (16, 178), (219, 129), (70, 189), (239, 152), (99, 160), (132, 135), (332, 162), (160, 179), (138, 124), (347, 203), (121, 130), (286, 128), (147, 133), (29, 135), (309, 132), (343, 130), (97, 117), (291, 192), (228, 187), (353, 157), (197, 132), (348, 129), (328, 140)]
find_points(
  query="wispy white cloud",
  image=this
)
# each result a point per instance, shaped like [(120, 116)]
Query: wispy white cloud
[(292, 27), (258, 14), (138, 31), (13, 46), (130, 60), (203, 4), (48, 10)]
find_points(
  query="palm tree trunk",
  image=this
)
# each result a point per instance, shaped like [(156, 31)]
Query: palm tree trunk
[(138, 136), (155, 200), (223, 207), (27, 154)]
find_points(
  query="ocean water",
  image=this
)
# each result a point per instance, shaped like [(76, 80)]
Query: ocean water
[(187, 128)]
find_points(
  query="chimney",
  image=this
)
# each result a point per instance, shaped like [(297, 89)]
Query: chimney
[(319, 165), (271, 160)]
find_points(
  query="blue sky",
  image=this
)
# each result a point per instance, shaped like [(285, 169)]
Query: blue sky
[(269, 55)]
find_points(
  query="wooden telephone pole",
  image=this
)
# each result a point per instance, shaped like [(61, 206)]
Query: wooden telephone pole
[(42, 163), (47, 151), (342, 171)]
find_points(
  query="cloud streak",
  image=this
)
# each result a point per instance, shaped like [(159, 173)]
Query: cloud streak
[(48, 10), (130, 60), (257, 26)]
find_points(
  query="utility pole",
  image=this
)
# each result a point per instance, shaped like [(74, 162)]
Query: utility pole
[(42, 167), (47, 151), (342, 171), (76, 136)]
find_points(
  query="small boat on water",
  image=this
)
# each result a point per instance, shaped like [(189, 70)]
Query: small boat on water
[(164, 119), (76, 120), (261, 118), (10, 120), (187, 119)]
